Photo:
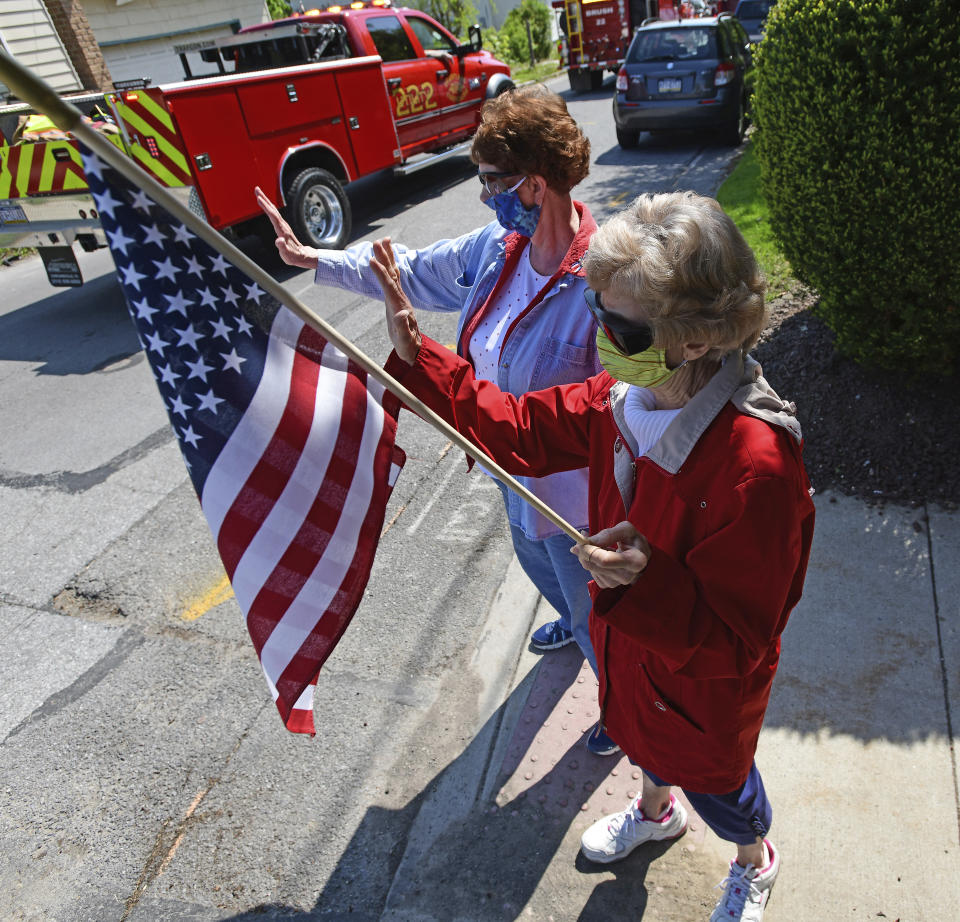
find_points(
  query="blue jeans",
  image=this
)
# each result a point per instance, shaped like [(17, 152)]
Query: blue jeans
[(562, 582)]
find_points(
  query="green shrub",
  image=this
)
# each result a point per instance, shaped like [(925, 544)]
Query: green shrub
[(512, 38), (455, 15), (857, 104), (278, 9)]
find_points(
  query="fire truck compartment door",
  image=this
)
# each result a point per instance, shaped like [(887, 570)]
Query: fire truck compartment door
[(221, 154), (367, 112), (290, 101)]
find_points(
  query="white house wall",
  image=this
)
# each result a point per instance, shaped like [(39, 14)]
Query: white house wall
[(138, 37), (29, 35)]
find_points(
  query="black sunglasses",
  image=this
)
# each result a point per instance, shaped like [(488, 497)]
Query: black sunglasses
[(628, 338)]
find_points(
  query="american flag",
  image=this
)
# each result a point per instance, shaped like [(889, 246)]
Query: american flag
[(289, 444)]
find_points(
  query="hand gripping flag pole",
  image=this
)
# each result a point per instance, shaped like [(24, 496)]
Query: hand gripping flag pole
[(45, 99)]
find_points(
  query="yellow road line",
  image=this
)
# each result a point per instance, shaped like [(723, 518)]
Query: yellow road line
[(210, 599)]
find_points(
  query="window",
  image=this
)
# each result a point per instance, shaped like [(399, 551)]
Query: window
[(390, 39), (430, 37), (754, 9), (273, 52), (673, 45)]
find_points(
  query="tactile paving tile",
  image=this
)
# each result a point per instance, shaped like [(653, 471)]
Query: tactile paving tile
[(547, 764)]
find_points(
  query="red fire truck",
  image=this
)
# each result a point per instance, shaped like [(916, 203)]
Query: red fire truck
[(594, 34), (300, 106)]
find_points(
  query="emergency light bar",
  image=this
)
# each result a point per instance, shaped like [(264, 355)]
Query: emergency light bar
[(340, 7)]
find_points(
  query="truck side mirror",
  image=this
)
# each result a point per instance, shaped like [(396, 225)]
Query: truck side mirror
[(475, 43)]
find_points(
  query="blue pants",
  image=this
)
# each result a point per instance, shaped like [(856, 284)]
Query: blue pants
[(561, 581), (739, 816)]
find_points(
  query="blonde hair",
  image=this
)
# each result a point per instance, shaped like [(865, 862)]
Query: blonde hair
[(683, 261)]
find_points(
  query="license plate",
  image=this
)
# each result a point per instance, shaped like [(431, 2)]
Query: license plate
[(12, 214), (670, 86)]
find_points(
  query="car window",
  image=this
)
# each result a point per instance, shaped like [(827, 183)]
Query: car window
[(390, 38), (430, 37), (673, 45), (754, 9)]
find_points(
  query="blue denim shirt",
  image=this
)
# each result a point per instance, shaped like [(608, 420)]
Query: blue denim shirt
[(552, 343)]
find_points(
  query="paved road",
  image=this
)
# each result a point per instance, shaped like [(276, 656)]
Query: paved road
[(145, 774)]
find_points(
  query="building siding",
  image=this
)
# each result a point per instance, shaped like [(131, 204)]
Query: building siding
[(31, 38)]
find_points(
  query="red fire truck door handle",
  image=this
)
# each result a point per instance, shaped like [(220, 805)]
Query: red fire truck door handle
[(442, 74), (394, 82)]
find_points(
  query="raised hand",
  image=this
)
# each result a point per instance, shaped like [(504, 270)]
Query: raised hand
[(401, 321), (620, 567), (291, 250)]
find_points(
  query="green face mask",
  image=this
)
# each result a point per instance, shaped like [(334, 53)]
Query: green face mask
[(645, 369)]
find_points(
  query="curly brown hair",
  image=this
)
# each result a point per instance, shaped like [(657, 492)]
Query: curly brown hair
[(528, 130)]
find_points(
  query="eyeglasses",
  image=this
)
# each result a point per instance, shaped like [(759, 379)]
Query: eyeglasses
[(628, 338), (496, 188)]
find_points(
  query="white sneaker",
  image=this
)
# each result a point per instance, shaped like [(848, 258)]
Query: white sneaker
[(615, 836), (747, 890)]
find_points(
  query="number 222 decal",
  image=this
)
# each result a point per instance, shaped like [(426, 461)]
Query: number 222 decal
[(413, 99)]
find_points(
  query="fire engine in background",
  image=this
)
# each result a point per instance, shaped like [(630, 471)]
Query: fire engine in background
[(300, 106), (594, 34)]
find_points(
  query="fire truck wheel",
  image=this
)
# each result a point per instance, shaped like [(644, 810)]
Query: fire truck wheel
[(579, 81), (627, 139), (318, 209)]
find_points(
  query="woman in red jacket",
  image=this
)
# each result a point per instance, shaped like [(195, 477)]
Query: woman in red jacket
[(699, 506)]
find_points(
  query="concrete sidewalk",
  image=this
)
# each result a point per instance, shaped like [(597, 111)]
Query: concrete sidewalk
[(857, 755)]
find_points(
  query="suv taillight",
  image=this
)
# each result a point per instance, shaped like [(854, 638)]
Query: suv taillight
[(724, 74), (622, 80)]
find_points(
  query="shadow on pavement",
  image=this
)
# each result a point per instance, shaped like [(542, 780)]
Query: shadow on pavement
[(486, 859), (75, 331)]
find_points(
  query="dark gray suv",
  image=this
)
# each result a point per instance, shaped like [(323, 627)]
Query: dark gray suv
[(752, 14), (687, 74)]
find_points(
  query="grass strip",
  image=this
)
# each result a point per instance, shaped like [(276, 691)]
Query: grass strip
[(741, 198)]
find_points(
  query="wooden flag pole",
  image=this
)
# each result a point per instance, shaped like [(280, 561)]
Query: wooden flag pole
[(44, 99)]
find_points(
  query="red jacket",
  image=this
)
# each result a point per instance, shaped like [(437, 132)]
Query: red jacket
[(686, 654)]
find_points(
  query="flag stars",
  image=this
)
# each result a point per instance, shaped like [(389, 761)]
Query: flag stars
[(219, 264), (131, 277), (141, 200), (179, 406), (230, 296), (189, 337), (152, 234), (207, 298), (254, 292), (190, 436), (165, 269), (181, 234), (106, 203), (199, 369), (93, 166), (144, 310), (221, 328), (209, 401), (119, 240), (156, 343), (194, 267), (167, 374), (232, 360), (243, 325), (178, 303)]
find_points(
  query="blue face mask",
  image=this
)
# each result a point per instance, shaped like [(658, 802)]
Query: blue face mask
[(512, 214)]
